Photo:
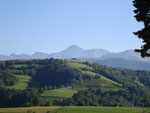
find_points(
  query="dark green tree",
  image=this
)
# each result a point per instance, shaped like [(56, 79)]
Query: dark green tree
[(142, 12)]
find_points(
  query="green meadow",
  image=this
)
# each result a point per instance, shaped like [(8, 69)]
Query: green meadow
[(101, 77), (76, 109), (56, 94), (89, 109), (22, 83), (20, 65), (25, 109), (62, 92), (77, 65)]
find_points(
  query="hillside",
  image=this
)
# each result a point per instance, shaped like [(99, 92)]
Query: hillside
[(122, 63), (23, 81), (54, 81), (89, 73)]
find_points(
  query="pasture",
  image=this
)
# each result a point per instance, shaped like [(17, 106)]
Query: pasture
[(89, 109), (76, 65), (25, 109), (56, 94), (62, 92), (22, 83), (76, 109), (20, 65)]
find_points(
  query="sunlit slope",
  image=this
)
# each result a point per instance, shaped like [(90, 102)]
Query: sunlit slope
[(99, 80), (102, 82), (62, 92), (23, 81)]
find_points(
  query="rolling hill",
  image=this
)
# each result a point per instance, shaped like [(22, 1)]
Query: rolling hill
[(60, 79), (76, 73)]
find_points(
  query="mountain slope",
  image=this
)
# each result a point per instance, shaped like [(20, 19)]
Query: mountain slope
[(129, 54), (76, 52), (71, 52), (122, 63), (40, 55), (94, 53), (4, 57)]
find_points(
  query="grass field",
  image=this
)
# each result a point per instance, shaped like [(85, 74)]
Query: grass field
[(89, 73), (102, 82), (85, 109), (75, 109), (62, 92), (96, 83), (77, 65), (20, 65), (56, 94), (23, 82), (109, 80), (101, 77), (72, 60), (25, 109)]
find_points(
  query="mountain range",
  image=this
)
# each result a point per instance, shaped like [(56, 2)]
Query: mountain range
[(126, 59), (71, 52)]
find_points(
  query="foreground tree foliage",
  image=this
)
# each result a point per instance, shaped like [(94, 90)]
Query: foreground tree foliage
[(143, 15)]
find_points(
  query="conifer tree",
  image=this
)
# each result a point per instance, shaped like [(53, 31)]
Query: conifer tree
[(142, 12)]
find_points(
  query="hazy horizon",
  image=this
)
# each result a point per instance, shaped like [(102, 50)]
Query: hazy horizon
[(63, 50)]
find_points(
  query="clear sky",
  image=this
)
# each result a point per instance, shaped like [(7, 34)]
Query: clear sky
[(27, 26)]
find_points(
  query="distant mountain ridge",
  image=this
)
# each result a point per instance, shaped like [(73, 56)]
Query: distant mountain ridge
[(122, 63), (36, 55), (71, 52), (128, 54), (75, 51)]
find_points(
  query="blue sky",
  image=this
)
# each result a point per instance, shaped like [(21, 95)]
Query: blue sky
[(49, 26)]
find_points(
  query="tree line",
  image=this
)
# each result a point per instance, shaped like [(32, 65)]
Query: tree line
[(133, 96)]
